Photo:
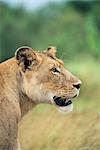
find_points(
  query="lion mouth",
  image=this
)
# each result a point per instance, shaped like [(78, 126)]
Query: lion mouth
[(64, 105), (61, 102)]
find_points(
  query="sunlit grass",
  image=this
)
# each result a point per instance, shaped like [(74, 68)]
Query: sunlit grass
[(50, 130)]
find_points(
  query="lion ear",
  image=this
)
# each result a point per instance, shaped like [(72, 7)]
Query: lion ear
[(51, 51), (25, 57)]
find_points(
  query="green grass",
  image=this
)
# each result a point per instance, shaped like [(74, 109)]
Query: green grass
[(44, 128)]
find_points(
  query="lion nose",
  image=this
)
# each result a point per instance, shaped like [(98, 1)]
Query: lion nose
[(77, 86)]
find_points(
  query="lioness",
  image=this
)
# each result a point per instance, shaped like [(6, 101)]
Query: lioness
[(28, 79)]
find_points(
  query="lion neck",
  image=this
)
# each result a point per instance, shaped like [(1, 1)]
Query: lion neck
[(26, 104), (11, 86)]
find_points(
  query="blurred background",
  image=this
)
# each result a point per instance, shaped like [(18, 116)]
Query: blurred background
[(74, 28)]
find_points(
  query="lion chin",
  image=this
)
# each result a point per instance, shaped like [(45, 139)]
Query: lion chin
[(66, 109), (63, 105)]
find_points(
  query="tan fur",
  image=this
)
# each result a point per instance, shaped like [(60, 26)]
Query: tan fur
[(21, 88)]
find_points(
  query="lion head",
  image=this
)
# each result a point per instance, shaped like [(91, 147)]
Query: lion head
[(44, 78)]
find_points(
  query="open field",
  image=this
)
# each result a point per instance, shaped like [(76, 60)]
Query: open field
[(73, 26), (44, 128)]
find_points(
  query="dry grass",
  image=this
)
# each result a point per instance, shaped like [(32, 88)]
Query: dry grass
[(49, 130), (44, 128)]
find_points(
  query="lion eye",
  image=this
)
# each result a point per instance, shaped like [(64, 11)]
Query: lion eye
[(55, 70)]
